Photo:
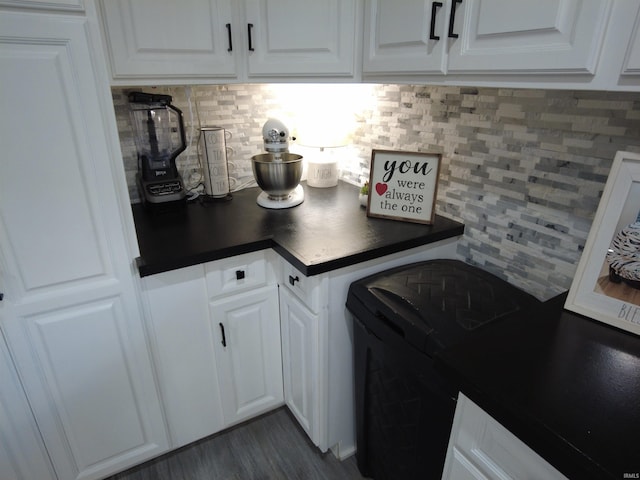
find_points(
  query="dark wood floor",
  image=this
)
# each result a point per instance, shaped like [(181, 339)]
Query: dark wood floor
[(270, 447)]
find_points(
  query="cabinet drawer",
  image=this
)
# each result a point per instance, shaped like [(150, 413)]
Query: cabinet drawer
[(305, 288), (486, 449), (237, 274)]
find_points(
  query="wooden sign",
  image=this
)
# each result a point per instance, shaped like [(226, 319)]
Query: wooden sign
[(403, 185)]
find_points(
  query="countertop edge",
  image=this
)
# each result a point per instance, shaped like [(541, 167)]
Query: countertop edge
[(366, 255), (146, 270)]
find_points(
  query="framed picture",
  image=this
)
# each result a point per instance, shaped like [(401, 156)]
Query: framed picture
[(607, 282), (403, 185)]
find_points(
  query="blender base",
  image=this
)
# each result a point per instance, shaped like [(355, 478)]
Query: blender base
[(294, 199)]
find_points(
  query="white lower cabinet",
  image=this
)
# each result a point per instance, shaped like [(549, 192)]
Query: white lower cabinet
[(182, 343), (217, 352), (90, 384), (248, 353), (481, 449), (300, 343), (317, 344), (225, 350)]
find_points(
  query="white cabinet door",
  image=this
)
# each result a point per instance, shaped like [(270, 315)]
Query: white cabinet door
[(301, 38), (631, 66), (182, 342), (70, 5), (90, 384), (405, 36), (545, 36), (300, 362), (207, 386), (481, 448), (169, 39), (248, 353), (22, 452), (70, 313)]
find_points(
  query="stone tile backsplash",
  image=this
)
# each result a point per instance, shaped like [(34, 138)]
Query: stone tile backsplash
[(522, 168)]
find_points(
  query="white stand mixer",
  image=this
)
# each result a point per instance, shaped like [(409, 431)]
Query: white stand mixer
[(278, 172)]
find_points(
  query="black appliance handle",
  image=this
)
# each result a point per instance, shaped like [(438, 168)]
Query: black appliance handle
[(224, 337), (434, 11), (183, 139), (230, 49), (249, 28), (452, 18), (149, 98)]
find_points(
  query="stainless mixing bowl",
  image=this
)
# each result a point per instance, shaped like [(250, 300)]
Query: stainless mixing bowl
[(278, 178)]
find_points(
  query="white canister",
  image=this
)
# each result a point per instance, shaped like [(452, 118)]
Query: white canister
[(322, 173), (215, 170)]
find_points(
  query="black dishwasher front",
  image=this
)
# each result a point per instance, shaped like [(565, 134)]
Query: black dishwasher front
[(402, 318)]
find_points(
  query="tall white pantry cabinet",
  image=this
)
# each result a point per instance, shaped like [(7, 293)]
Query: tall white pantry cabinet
[(70, 310)]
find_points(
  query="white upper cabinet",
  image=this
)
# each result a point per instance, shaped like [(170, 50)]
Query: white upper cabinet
[(305, 37), (630, 73), (536, 44), (404, 36), (484, 36), (148, 39), (592, 44), (201, 41), (545, 36)]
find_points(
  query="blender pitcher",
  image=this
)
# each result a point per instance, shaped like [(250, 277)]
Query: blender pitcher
[(159, 137)]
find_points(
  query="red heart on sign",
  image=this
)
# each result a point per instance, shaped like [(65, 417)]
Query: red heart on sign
[(381, 188)]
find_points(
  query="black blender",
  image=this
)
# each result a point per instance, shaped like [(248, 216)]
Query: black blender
[(160, 138)]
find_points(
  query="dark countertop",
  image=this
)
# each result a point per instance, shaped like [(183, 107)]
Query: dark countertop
[(566, 385), (329, 230)]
